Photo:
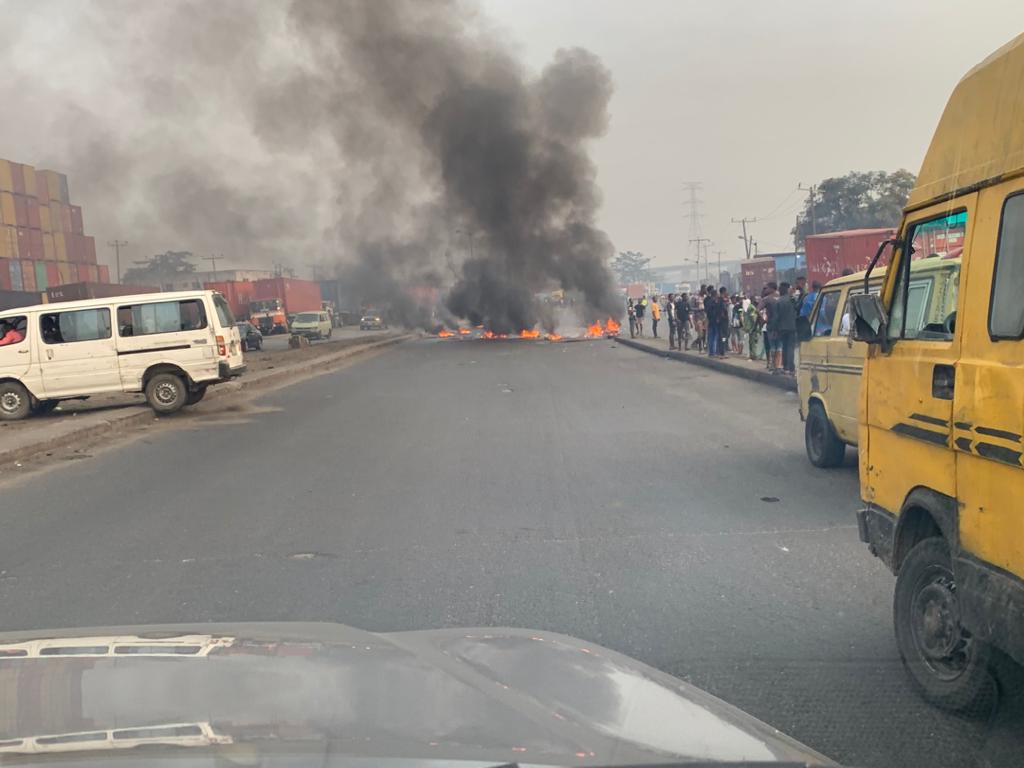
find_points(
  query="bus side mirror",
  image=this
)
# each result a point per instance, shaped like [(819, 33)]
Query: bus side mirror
[(869, 320), (803, 328)]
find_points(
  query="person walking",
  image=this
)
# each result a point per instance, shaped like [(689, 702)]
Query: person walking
[(753, 327), (724, 320), (683, 322), (655, 315), (785, 328), (670, 315), (736, 326), (711, 321)]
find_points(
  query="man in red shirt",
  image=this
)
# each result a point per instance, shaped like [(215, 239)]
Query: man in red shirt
[(9, 334)]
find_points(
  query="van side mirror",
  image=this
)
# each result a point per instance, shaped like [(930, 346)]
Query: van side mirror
[(869, 320), (803, 328)]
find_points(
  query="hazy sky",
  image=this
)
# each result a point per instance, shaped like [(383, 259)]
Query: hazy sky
[(752, 97)]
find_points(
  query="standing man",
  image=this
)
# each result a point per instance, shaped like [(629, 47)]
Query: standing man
[(683, 322), (631, 312), (724, 320), (711, 320), (799, 290), (641, 306), (670, 313), (785, 328), (655, 315), (769, 298), (807, 303), (752, 327)]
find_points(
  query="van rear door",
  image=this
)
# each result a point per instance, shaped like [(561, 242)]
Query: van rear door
[(229, 340)]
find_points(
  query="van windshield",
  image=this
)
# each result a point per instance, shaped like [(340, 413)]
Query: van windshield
[(307, 317)]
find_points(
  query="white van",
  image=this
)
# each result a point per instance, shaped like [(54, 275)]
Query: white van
[(171, 346), (312, 325)]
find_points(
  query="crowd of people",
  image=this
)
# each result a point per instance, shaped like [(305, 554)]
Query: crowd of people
[(716, 323)]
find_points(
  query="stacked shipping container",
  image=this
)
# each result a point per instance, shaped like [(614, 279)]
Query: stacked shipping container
[(42, 236)]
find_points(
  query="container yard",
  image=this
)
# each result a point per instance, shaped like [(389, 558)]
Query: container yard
[(42, 233), (832, 253)]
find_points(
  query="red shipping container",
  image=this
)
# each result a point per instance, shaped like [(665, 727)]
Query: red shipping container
[(832, 253), (89, 250), (18, 178), (74, 246), (21, 210), (104, 271), (88, 273), (238, 294), (52, 273), (36, 252), (76, 219), (755, 274), (73, 273), (28, 276), (33, 213), (5, 275)]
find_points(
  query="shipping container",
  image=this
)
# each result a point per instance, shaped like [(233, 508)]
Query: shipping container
[(57, 186), (15, 271), (18, 177), (49, 249), (73, 247), (34, 219), (35, 245), (42, 189), (65, 272), (5, 275), (28, 275), (6, 177), (76, 219), (88, 249), (29, 175), (9, 243), (81, 291), (831, 254), (297, 295), (42, 282), (60, 246), (21, 210), (45, 220), (104, 271), (88, 273), (8, 215), (52, 274), (756, 273), (12, 299), (238, 294)]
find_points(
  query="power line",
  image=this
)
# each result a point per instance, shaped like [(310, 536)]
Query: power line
[(811, 191), (747, 240)]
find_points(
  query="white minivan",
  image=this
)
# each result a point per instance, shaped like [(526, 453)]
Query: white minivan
[(171, 346)]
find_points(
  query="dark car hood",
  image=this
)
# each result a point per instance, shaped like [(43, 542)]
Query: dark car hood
[(496, 695)]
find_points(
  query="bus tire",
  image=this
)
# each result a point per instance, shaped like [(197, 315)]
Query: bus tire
[(949, 668), (166, 393), (824, 448), (195, 395), (15, 401)]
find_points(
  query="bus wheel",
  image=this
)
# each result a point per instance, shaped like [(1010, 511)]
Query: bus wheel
[(824, 448), (15, 402), (947, 665), (166, 393), (195, 395)]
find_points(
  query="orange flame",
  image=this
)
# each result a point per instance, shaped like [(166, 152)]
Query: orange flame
[(554, 337), (502, 335), (611, 326), (444, 333), (594, 331), (527, 334), (464, 331), (488, 334)]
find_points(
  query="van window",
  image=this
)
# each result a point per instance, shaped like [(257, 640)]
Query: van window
[(825, 313), (225, 317), (1006, 315), (12, 330), (925, 309), (161, 317), (77, 325), (844, 323)]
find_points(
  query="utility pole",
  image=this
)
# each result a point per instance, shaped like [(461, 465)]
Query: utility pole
[(746, 240), (811, 191), (719, 254), (694, 203), (117, 245), (702, 242), (213, 259)]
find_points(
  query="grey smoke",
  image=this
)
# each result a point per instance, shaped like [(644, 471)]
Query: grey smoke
[(377, 138)]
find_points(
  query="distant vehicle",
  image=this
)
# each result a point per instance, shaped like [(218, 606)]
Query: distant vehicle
[(275, 299), (312, 325), (171, 346), (252, 339), (372, 323), (269, 316)]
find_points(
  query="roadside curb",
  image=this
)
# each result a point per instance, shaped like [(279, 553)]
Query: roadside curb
[(142, 414), (761, 377)]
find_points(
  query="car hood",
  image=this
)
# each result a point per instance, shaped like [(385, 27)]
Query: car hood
[(494, 695)]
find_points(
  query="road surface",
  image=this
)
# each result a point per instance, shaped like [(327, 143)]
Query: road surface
[(658, 508)]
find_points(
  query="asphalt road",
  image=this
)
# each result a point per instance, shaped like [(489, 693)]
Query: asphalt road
[(658, 508)]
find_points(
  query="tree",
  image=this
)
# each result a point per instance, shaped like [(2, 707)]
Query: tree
[(858, 200), (160, 269), (631, 267)]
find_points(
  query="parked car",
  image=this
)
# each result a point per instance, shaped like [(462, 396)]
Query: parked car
[(252, 339), (312, 325), (171, 346), (372, 323)]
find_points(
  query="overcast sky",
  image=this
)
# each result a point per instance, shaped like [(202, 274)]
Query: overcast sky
[(752, 97)]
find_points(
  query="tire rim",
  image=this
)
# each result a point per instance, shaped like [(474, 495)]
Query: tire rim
[(10, 402), (165, 393), (942, 644)]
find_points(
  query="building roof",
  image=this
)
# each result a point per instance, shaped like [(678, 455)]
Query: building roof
[(980, 136)]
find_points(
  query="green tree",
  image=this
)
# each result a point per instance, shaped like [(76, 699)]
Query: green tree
[(858, 200), (631, 267), (160, 269)]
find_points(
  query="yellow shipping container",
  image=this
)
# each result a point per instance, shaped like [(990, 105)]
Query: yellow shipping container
[(9, 243), (60, 246), (6, 180), (49, 247), (65, 273), (7, 213), (44, 217), (30, 180)]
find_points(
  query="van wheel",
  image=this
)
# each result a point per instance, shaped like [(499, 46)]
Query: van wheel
[(195, 395), (824, 448), (15, 402), (947, 665), (166, 393)]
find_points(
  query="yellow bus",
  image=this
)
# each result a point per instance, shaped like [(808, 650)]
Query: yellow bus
[(941, 415)]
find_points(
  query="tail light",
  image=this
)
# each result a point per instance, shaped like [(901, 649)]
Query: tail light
[(222, 348)]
